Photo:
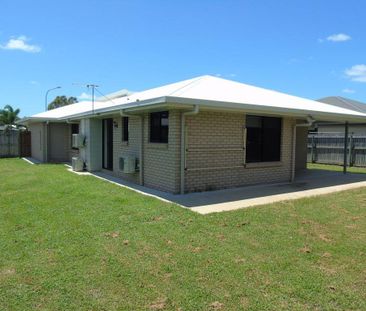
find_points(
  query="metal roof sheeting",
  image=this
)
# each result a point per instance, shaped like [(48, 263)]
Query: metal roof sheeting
[(210, 91), (343, 102)]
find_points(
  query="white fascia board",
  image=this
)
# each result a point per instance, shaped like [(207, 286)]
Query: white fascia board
[(181, 103), (36, 120), (269, 110), (116, 108)]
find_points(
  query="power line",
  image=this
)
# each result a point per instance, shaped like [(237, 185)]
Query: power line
[(105, 96)]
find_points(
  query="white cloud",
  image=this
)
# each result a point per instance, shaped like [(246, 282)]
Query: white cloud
[(20, 43), (348, 91), (33, 82), (84, 96), (339, 37), (357, 73), (228, 75)]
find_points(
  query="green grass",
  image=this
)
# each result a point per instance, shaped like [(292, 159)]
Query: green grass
[(337, 168), (70, 242)]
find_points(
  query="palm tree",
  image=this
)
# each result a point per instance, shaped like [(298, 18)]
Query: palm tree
[(8, 115)]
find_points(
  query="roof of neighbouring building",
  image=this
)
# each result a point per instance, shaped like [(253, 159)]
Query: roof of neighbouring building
[(114, 95), (343, 102), (209, 92)]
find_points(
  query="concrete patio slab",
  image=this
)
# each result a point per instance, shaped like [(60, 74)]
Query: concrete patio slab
[(307, 184)]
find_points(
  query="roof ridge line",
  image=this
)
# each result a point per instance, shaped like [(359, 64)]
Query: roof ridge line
[(188, 84)]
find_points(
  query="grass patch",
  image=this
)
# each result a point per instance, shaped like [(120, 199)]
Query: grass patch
[(336, 168), (70, 242)]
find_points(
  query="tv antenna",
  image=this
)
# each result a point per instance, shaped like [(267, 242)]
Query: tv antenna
[(91, 86)]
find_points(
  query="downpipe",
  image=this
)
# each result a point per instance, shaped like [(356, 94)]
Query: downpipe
[(183, 145)]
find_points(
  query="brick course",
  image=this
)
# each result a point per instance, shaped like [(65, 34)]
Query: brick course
[(214, 140), (222, 134), (161, 161)]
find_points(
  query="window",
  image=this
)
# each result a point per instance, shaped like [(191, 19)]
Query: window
[(124, 128), (263, 139), (74, 130), (159, 127)]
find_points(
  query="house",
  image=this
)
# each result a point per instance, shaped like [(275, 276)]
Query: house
[(195, 135), (338, 101)]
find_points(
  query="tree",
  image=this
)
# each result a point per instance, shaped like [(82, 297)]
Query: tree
[(61, 101), (8, 115)]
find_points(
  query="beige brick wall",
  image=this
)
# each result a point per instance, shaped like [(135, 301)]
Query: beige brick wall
[(130, 148), (161, 161), (215, 139)]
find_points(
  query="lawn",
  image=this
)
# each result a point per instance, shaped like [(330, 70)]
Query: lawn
[(70, 242), (337, 168)]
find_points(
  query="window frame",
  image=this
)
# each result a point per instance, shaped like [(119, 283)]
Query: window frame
[(125, 130), (260, 144), (158, 132)]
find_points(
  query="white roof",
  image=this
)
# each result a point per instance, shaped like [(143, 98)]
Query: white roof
[(210, 92)]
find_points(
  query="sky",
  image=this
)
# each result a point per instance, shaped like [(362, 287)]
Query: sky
[(311, 49)]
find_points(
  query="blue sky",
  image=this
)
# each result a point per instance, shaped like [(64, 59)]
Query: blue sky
[(306, 48)]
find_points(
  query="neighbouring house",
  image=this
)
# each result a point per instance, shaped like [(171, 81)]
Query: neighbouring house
[(195, 135), (346, 103)]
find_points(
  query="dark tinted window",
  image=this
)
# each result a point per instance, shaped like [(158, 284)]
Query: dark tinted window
[(263, 139), (74, 130), (159, 127), (124, 128)]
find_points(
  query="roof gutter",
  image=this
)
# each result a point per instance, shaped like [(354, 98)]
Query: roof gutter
[(115, 109), (342, 117)]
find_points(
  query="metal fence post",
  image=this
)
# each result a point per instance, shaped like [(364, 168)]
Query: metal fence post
[(312, 149), (345, 148), (350, 151)]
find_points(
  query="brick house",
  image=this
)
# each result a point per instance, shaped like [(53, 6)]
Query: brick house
[(200, 134)]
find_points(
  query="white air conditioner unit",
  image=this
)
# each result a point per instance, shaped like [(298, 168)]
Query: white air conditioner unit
[(127, 164), (77, 164), (78, 140)]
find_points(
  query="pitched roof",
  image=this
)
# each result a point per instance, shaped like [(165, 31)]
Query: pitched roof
[(210, 92), (343, 102)]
